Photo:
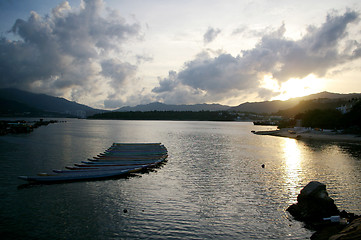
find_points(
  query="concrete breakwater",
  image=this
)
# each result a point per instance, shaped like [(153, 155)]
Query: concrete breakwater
[(21, 126)]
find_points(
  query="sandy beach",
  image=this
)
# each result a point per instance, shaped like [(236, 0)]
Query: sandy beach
[(311, 134)]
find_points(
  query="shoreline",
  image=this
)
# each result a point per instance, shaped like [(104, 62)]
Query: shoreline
[(311, 134)]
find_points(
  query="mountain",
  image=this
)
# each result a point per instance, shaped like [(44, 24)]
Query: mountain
[(157, 106), (265, 107), (329, 95), (16, 101), (13, 108), (321, 103), (254, 107), (277, 105)]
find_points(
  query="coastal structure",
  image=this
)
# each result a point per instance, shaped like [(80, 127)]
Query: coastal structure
[(21, 126)]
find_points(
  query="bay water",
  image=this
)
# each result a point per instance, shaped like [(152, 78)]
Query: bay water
[(211, 187)]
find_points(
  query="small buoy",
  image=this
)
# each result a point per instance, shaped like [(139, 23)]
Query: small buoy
[(263, 165), (125, 210)]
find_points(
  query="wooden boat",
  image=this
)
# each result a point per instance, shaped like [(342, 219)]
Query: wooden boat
[(124, 162), (108, 159), (129, 151), (136, 144), (131, 154), (136, 147), (113, 166), (117, 158), (85, 164), (97, 168), (61, 177)]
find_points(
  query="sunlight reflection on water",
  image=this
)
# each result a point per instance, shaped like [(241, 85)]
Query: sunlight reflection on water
[(212, 186), (293, 167)]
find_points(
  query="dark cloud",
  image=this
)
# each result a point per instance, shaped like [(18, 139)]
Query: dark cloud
[(167, 84), (210, 35), (139, 97), (119, 72), (68, 49), (220, 77)]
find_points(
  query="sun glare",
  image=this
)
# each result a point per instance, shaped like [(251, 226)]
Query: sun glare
[(292, 166), (294, 87)]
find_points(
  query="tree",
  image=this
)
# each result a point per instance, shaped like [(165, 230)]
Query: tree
[(327, 118)]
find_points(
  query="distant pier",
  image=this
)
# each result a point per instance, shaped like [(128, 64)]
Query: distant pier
[(21, 126)]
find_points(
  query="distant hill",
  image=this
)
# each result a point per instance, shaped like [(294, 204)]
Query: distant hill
[(277, 105), (13, 108), (320, 103), (18, 100), (157, 106), (267, 107)]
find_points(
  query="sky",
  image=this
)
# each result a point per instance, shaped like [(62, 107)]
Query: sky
[(113, 53)]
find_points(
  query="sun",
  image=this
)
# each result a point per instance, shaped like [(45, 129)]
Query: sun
[(294, 87)]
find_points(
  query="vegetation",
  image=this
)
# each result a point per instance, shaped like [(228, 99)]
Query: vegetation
[(287, 123), (353, 118), (326, 118), (329, 118), (168, 115), (307, 105)]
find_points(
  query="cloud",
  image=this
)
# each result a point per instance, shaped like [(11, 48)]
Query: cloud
[(119, 72), (210, 35), (167, 84), (144, 58), (220, 77), (68, 52)]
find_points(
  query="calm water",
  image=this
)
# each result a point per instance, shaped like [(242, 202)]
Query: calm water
[(212, 187)]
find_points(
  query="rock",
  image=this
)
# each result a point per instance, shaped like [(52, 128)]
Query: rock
[(352, 231), (313, 204), (326, 232)]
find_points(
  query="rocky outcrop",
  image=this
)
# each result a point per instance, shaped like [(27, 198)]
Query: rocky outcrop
[(313, 204), (319, 212)]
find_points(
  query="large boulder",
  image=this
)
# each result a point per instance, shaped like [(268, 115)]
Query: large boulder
[(313, 204)]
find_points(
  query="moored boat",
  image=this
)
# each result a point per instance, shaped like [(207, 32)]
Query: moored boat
[(56, 177), (133, 158), (98, 168), (121, 161), (131, 154), (85, 164)]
